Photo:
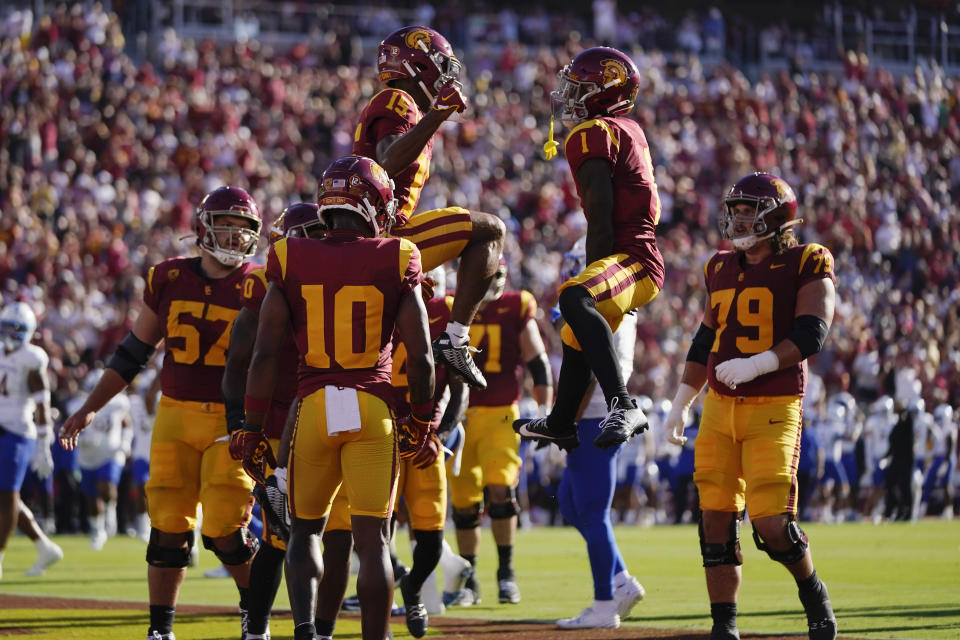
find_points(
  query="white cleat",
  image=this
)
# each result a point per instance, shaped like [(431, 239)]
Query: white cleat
[(627, 595), (46, 556), (590, 618), (98, 540)]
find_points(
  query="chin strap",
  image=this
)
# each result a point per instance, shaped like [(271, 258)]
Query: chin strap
[(550, 146)]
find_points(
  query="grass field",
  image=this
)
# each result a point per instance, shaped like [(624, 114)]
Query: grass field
[(889, 581)]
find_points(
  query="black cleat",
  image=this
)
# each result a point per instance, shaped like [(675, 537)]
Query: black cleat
[(724, 633), (538, 429), (414, 610), (821, 622), (621, 424), (458, 360)]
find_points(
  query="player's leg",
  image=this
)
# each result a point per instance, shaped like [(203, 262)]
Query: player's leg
[(337, 550), (466, 500), (477, 239), (48, 551), (369, 462), (425, 494), (769, 469), (15, 454), (574, 380), (500, 461), (718, 479)]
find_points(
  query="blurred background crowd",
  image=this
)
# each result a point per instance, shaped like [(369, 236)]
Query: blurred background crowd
[(116, 119)]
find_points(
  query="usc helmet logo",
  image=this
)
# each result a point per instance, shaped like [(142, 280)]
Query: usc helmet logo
[(784, 192), (379, 174), (418, 39), (614, 72)]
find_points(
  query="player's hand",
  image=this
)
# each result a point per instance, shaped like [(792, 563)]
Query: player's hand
[(412, 435), (428, 453), (254, 452), (71, 429), (675, 423), (42, 461), (450, 96), (740, 370)]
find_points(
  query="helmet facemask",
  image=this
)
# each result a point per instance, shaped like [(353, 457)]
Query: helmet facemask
[(744, 229), (447, 68), (569, 100)]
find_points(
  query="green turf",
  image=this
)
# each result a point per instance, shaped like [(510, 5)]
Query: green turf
[(890, 581)]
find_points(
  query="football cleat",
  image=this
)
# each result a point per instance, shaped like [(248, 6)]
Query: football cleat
[(414, 610), (538, 429), (156, 635), (46, 556), (724, 633), (458, 360), (621, 424), (468, 598), (509, 592), (590, 618), (628, 595)]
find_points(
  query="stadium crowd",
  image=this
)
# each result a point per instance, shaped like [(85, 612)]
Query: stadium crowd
[(103, 161)]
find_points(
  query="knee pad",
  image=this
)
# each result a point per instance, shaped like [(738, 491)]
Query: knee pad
[(468, 518), (798, 544), (720, 553), (249, 544), (168, 557), (508, 509)]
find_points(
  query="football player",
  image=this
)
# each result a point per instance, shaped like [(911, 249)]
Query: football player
[(343, 296), (190, 304), (611, 165), (26, 432), (507, 337), (300, 220), (769, 305), (421, 78)]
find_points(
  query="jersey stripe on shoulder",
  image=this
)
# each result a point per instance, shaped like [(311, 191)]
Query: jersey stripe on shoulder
[(594, 123), (808, 251), (406, 250), (150, 273), (280, 249), (526, 299), (261, 274)]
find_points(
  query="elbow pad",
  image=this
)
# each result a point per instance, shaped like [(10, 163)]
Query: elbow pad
[(131, 357), (702, 344), (808, 334), (539, 368)]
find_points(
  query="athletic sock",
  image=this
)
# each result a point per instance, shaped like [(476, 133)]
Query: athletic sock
[(459, 333), (472, 580), (505, 570), (161, 618), (304, 631), (266, 574), (724, 616), (324, 627)]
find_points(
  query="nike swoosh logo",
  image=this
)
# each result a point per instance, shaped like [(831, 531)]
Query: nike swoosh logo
[(448, 96), (771, 421), (435, 320), (777, 266)]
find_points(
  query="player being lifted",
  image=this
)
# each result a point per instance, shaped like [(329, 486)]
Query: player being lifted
[(613, 171), (768, 307), (422, 89)]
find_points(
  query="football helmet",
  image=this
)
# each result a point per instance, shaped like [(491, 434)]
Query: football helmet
[(882, 406), (17, 324), (774, 210), (297, 221), (359, 185), (600, 81), (419, 53), (498, 283), (241, 243), (574, 260), (943, 414)]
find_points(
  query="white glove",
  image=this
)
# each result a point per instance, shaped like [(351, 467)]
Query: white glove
[(680, 413), (42, 461), (281, 475), (740, 370)]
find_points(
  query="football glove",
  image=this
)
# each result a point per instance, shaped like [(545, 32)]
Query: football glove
[(273, 502), (42, 461), (412, 435), (741, 370), (429, 452), (251, 447), (450, 96)]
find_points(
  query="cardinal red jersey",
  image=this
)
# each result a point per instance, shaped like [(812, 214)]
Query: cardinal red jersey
[(438, 314), (636, 212), (495, 331), (344, 292), (285, 392), (753, 307), (197, 315), (393, 112)]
